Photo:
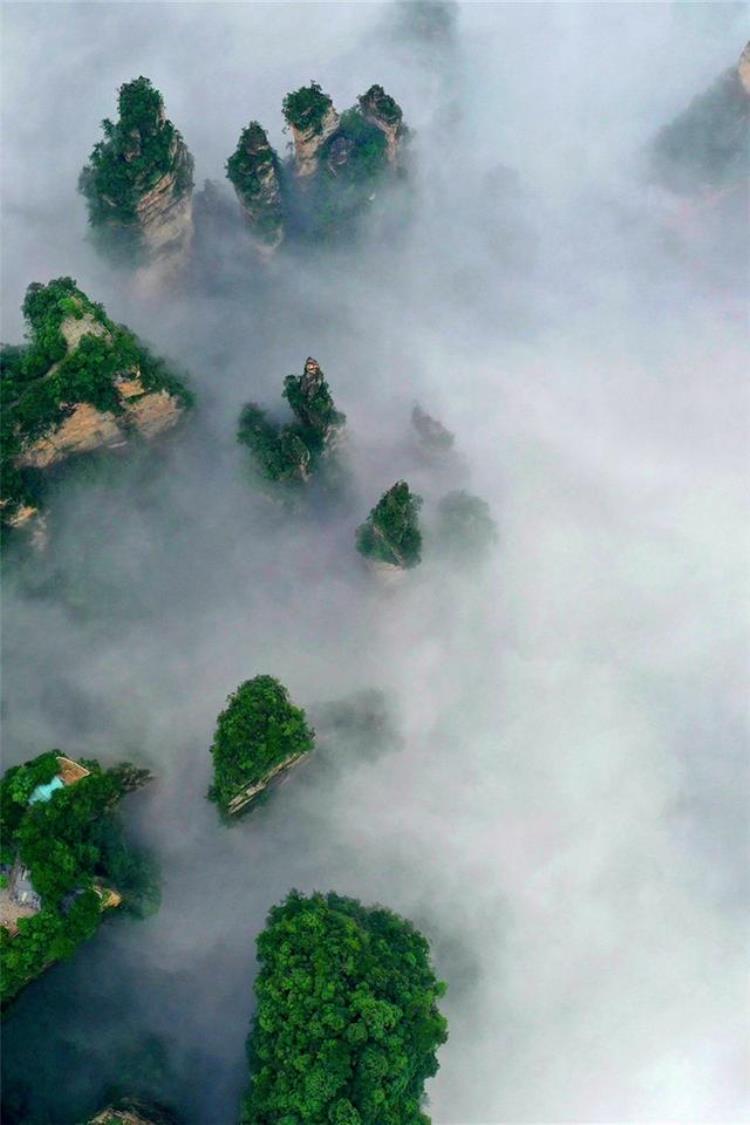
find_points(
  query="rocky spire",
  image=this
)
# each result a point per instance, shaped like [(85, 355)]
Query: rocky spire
[(311, 116), (254, 171), (384, 112), (310, 399), (139, 180)]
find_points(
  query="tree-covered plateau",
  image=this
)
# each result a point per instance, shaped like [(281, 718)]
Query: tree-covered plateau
[(259, 733), (347, 1026)]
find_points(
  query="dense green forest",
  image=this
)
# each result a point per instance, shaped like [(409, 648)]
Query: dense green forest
[(391, 532), (347, 1026), (137, 152), (257, 733), (64, 839)]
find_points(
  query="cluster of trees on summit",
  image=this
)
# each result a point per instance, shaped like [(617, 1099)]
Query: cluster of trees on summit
[(142, 165)]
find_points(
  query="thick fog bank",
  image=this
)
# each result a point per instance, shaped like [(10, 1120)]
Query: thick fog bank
[(559, 795)]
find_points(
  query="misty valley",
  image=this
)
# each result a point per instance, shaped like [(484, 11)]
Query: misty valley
[(372, 721)]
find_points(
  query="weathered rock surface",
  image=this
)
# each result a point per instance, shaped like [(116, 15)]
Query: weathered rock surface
[(138, 183), (83, 383), (382, 111), (254, 170), (166, 215), (743, 69), (308, 143), (245, 796)]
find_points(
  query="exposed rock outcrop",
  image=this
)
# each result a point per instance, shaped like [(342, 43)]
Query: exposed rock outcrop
[(384, 112), (291, 452), (249, 794), (310, 399), (311, 116), (84, 383), (707, 147), (129, 1112), (336, 172), (743, 69), (254, 170), (138, 183)]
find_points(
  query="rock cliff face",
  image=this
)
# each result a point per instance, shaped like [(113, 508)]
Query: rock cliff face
[(82, 384), (165, 212), (310, 115), (339, 165), (254, 170), (291, 452), (138, 183), (743, 69), (310, 399), (309, 142), (382, 111), (706, 148)]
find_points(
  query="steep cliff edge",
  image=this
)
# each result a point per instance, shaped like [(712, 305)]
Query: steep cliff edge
[(254, 171), (707, 147), (385, 114), (310, 115), (82, 383), (138, 182), (335, 175), (291, 452)]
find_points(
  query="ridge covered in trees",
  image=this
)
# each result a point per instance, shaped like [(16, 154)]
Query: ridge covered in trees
[(259, 734), (346, 1026), (75, 355), (68, 844)]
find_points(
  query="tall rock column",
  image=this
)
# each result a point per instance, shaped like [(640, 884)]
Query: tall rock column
[(138, 182), (254, 171), (385, 113), (311, 116)]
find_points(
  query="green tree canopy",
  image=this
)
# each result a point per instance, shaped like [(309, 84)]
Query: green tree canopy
[(136, 152), (391, 532), (42, 381), (259, 730), (254, 170), (305, 108), (347, 1026), (72, 846), (291, 452)]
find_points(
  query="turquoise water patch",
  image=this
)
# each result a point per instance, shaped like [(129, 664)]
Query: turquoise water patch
[(44, 792)]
